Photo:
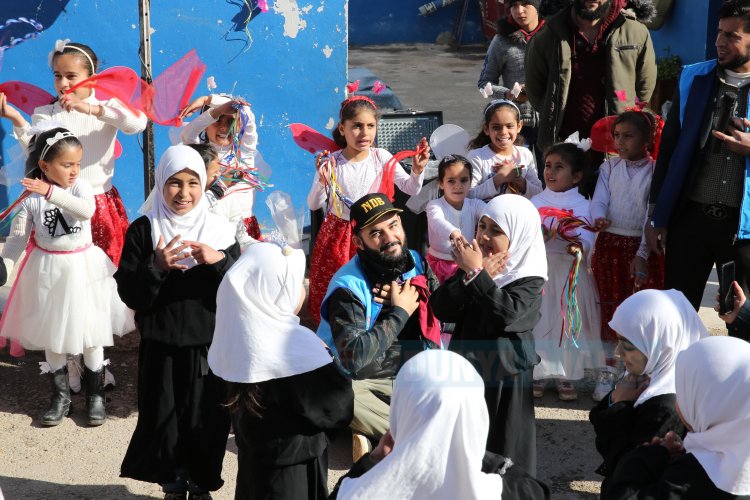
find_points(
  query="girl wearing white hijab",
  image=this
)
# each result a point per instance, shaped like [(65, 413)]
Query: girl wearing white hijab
[(712, 380), (653, 326), (495, 299), (285, 392), (439, 426), (172, 263)]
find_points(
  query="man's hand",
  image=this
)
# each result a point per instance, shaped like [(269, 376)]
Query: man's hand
[(405, 297), (739, 301), (384, 447), (656, 238), (382, 294), (738, 141)]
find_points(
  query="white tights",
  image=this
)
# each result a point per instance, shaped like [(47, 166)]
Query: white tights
[(93, 358)]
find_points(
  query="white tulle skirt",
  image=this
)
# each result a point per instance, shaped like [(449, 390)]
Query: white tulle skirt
[(65, 302), (568, 361)]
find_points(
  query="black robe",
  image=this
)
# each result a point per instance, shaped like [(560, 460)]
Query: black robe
[(494, 331), (517, 484), (283, 455), (646, 473), (622, 427), (181, 421)]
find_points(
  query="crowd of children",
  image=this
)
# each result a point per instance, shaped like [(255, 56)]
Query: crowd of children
[(548, 282)]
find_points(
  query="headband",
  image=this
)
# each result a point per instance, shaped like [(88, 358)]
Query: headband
[(498, 102), (54, 140), (61, 45), (352, 99)]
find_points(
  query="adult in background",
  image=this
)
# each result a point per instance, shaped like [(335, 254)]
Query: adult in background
[(375, 313), (504, 62), (698, 202), (594, 59)]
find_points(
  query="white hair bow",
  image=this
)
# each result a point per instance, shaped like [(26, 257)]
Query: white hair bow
[(51, 141), (582, 144), (59, 47), (487, 91)]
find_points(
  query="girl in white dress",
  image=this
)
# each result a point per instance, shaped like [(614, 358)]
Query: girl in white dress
[(64, 300)]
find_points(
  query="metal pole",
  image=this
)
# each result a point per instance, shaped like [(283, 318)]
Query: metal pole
[(144, 11)]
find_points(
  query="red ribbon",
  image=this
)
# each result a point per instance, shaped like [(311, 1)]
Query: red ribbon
[(389, 171)]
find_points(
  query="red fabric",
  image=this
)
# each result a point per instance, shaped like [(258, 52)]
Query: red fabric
[(311, 140), (171, 90), (334, 247), (389, 172), (428, 323), (253, 228), (526, 34), (611, 267), (602, 134), (25, 96), (109, 224), (117, 82)]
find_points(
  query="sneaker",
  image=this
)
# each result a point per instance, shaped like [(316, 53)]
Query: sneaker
[(566, 391), (361, 446), (538, 388), (605, 382), (75, 372)]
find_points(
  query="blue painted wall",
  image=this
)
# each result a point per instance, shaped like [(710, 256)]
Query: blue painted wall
[(398, 21), (689, 32), (292, 70)]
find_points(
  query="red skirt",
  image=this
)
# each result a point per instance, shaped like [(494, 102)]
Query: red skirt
[(334, 247), (109, 224), (611, 265), (253, 228)]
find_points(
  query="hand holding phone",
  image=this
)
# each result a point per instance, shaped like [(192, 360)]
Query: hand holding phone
[(726, 290)]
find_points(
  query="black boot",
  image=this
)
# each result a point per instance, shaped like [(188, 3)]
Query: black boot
[(94, 381), (60, 402)]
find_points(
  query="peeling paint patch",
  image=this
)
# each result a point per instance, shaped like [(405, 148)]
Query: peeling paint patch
[(306, 9), (262, 116), (330, 124), (133, 26), (322, 6), (336, 90), (327, 51), (293, 22)]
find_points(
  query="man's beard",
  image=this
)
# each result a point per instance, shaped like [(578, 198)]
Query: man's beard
[(591, 15), (388, 259), (384, 267), (738, 61)]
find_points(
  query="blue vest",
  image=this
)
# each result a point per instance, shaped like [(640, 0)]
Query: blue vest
[(696, 86), (352, 277)]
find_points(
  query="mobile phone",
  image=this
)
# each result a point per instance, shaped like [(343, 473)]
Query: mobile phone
[(726, 290)]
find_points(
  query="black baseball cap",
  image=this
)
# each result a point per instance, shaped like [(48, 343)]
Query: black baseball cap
[(370, 208)]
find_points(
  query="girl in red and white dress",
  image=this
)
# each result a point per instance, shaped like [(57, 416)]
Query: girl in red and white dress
[(359, 169), (618, 209)]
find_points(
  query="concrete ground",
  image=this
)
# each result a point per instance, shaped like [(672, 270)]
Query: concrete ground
[(75, 461)]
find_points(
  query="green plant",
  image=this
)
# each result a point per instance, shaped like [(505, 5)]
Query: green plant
[(668, 67)]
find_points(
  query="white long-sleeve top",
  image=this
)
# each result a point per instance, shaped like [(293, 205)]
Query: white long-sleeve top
[(443, 219), (241, 205), (621, 194), (97, 134), (567, 200), (483, 159), (358, 178), (61, 223)]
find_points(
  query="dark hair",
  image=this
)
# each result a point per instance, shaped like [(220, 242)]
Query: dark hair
[(449, 160), (39, 142), (483, 139), (207, 152), (349, 109), (69, 50), (736, 8), (243, 396), (643, 120), (570, 153)]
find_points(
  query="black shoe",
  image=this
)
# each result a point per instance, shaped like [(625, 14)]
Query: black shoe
[(94, 383), (60, 402), (200, 496), (175, 496)]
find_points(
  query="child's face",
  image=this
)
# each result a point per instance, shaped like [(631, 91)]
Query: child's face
[(218, 131), (360, 130), (64, 168), (491, 238), (68, 70), (182, 192), (212, 172), (633, 359), (502, 129), (629, 141), (524, 15), (455, 184), (558, 175)]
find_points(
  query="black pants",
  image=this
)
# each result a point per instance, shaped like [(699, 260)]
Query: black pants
[(695, 242)]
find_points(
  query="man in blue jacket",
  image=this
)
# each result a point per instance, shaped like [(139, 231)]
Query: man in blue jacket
[(699, 207)]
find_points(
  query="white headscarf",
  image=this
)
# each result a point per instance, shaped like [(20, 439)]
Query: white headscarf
[(198, 224), (660, 324), (520, 221), (439, 423), (258, 336), (713, 393)]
